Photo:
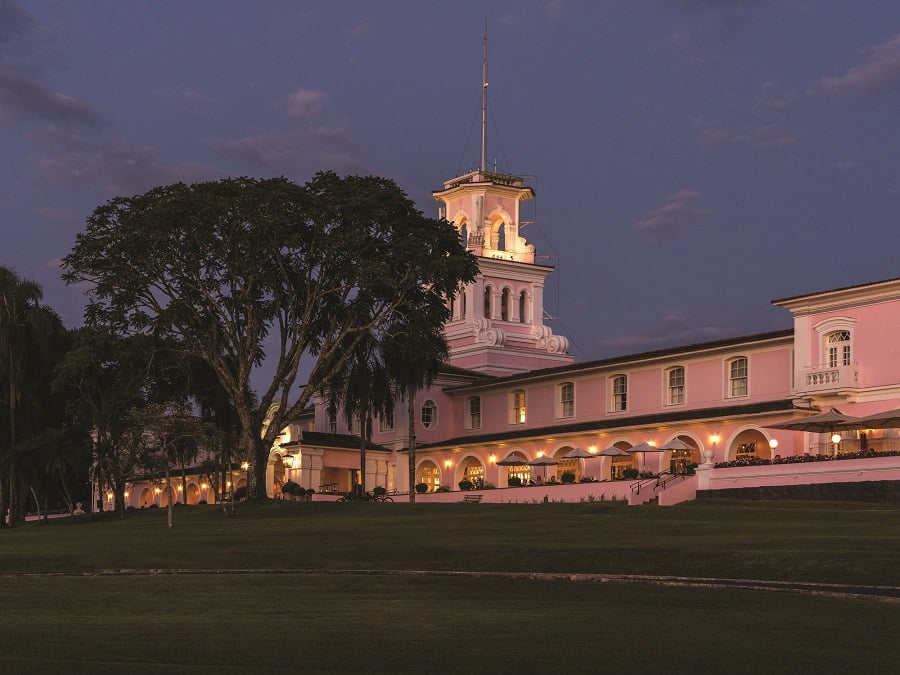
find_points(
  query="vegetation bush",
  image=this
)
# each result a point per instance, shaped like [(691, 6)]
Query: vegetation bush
[(443, 488), (240, 494), (630, 473), (515, 481), (567, 477), (292, 488), (466, 484), (379, 490), (421, 487)]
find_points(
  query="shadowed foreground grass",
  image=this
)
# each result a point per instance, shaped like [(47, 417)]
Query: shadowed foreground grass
[(333, 623)]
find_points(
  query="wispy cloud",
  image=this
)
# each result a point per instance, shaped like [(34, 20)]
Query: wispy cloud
[(845, 165), (304, 102), (23, 97), (681, 210), (879, 72)]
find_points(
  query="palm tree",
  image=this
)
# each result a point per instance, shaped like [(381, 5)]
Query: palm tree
[(26, 328), (362, 388), (414, 354)]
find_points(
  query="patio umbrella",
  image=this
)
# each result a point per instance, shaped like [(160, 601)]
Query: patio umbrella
[(822, 423), (612, 451), (512, 460), (676, 444), (889, 419), (578, 453), (645, 447), (544, 461)]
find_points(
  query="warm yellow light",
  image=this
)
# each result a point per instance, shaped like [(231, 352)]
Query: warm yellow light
[(447, 463), (592, 449), (180, 488), (245, 465), (228, 483), (773, 443), (204, 486), (540, 453), (492, 459), (126, 495), (714, 438), (835, 438), (156, 491), (652, 444), (109, 496)]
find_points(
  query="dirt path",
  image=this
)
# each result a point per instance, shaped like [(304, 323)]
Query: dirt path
[(879, 593)]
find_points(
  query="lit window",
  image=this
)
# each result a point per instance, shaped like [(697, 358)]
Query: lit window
[(619, 393), (518, 407), (839, 352), (429, 414), (567, 399), (473, 412), (737, 377), (675, 386)]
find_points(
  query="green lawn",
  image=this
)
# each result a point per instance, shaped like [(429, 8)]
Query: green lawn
[(329, 623)]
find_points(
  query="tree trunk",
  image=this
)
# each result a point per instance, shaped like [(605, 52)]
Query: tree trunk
[(169, 494), (411, 410), (4, 500), (363, 417)]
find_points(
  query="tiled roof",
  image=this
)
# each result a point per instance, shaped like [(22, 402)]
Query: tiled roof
[(641, 356), (343, 441), (835, 290), (781, 405)]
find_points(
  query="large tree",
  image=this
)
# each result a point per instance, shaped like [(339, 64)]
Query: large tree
[(31, 340), (242, 272)]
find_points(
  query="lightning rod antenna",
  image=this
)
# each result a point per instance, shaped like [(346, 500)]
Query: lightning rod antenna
[(484, 84)]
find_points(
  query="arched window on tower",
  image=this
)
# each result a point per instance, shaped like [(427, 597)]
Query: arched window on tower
[(498, 233), (839, 348), (464, 233), (504, 305), (488, 297), (462, 304), (523, 307)]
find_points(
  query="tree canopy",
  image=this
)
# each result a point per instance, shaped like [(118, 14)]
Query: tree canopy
[(243, 271)]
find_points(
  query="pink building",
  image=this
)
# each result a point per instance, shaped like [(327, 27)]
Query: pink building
[(511, 393)]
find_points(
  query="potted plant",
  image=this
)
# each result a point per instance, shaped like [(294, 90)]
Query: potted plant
[(466, 484), (567, 477), (514, 481), (630, 473), (379, 490), (421, 487)]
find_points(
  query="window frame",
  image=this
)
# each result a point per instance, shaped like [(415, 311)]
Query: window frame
[(732, 388), (428, 404), (518, 407), (472, 418), (565, 405), (675, 393), (618, 400)]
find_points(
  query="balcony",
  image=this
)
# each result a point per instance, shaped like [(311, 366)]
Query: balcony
[(817, 379)]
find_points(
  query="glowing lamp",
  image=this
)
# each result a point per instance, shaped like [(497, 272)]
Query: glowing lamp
[(773, 443), (835, 438)]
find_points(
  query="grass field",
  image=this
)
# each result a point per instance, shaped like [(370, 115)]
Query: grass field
[(260, 621)]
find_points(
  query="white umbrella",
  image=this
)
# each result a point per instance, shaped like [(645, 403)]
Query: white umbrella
[(512, 460), (645, 447), (612, 451), (578, 453), (676, 444)]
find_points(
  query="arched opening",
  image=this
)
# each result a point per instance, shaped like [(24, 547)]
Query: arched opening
[(488, 301), (568, 464), (146, 498), (518, 474), (523, 308), (193, 494), (619, 463), (462, 304), (748, 445), (429, 474), (686, 460), (473, 471), (464, 232), (505, 304), (498, 233), (167, 496), (276, 465)]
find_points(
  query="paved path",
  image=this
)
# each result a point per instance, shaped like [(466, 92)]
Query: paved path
[(879, 593)]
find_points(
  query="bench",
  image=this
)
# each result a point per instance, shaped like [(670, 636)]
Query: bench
[(472, 499)]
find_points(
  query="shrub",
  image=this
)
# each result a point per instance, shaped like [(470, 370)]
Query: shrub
[(379, 490), (292, 488), (630, 473), (421, 487), (240, 494), (466, 484), (567, 477), (443, 488), (515, 481), (488, 486), (202, 501), (310, 492)]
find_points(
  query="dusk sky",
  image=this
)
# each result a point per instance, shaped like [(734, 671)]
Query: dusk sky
[(692, 159)]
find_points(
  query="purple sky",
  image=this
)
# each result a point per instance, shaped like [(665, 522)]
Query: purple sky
[(693, 159)]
